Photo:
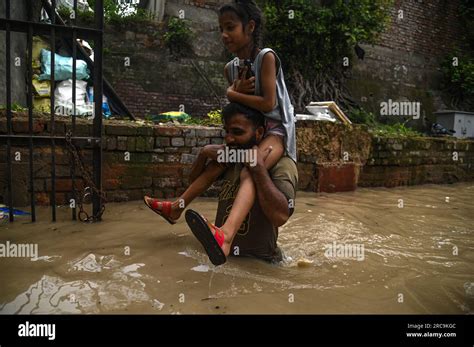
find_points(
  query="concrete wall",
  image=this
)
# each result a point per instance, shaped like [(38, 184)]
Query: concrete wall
[(18, 50)]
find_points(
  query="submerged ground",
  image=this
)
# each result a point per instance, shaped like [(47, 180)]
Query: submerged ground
[(418, 258)]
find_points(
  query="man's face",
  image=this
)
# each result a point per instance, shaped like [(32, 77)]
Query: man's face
[(241, 133)]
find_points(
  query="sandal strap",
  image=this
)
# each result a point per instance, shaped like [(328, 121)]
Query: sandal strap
[(218, 235), (165, 206), (216, 231)]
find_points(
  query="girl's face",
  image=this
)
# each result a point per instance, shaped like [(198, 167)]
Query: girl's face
[(232, 32)]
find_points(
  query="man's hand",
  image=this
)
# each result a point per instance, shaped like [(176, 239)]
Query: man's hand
[(211, 151), (259, 157)]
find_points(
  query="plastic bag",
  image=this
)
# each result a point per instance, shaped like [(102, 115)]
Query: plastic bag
[(63, 99), (63, 92), (41, 88), (62, 67), (105, 104)]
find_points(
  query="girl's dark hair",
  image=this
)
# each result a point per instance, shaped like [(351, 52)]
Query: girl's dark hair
[(233, 108), (247, 10)]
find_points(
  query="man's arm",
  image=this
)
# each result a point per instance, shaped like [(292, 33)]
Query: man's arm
[(272, 201)]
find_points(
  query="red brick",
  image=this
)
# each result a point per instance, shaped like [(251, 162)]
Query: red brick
[(167, 131), (332, 178)]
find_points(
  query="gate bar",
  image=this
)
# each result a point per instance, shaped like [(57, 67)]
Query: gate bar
[(9, 111), (45, 29), (73, 128), (97, 127), (30, 113), (53, 144)]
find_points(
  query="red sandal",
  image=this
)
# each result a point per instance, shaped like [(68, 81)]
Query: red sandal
[(210, 236), (165, 210)]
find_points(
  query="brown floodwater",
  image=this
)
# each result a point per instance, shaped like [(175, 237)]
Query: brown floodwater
[(399, 250)]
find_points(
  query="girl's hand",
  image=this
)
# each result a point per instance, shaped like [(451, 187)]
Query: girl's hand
[(212, 151), (260, 157), (244, 85)]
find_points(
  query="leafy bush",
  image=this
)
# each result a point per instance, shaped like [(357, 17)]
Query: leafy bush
[(177, 36), (360, 116), (321, 35), (458, 80), (120, 13)]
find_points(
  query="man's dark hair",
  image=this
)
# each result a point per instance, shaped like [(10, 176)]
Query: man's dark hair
[(255, 116)]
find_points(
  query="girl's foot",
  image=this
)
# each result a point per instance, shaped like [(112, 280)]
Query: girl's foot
[(212, 238), (167, 209)]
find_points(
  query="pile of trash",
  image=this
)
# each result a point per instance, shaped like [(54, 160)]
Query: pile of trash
[(63, 83)]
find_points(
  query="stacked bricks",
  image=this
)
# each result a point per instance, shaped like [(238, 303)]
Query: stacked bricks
[(400, 162), (151, 160), (429, 28)]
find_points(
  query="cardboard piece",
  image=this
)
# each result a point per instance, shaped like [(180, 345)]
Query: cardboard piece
[(332, 106)]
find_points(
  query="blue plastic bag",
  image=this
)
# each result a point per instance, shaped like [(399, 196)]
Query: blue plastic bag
[(105, 104), (62, 67)]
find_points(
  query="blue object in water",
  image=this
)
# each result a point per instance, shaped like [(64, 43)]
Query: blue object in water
[(15, 211)]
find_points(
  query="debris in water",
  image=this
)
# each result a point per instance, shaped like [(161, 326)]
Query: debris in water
[(158, 305), (469, 288), (47, 258), (201, 268), (302, 262)]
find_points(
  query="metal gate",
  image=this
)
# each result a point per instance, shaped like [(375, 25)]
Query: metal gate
[(69, 33)]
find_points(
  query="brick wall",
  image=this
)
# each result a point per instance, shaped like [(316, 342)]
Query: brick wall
[(404, 64), (156, 160), (151, 80), (400, 162), (429, 28)]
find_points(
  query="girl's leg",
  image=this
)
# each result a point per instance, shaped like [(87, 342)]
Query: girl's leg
[(246, 195), (197, 187)]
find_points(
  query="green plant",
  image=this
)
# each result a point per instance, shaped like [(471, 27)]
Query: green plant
[(214, 118), (360, 116), (466, 15), (458, 78), (83, 17), (121, 13), (398, 129), (14, 107), (177, 36), (313, 41)]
